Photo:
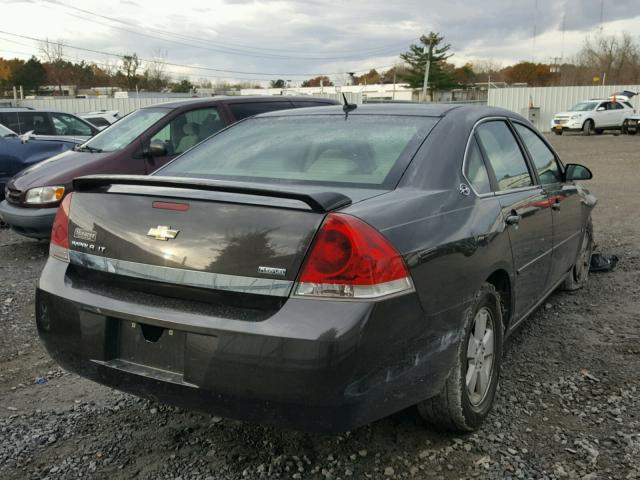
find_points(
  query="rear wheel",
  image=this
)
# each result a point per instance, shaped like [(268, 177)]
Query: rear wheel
[(587, 127), (467, 396), (579, 274), (558, 131)]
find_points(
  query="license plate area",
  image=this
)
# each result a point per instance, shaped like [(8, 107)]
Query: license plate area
[(151, 346)]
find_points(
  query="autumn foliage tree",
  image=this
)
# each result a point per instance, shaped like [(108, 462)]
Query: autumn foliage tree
[(317, 81), (533, 74)]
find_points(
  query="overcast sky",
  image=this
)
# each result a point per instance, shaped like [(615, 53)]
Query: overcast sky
[(243, 39)]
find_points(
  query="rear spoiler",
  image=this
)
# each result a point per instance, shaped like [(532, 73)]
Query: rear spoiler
[(317, 201)]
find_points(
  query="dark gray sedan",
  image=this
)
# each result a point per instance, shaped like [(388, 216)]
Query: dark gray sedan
[(319, 268)]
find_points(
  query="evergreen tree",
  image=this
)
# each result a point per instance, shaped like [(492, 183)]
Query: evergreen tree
[(440, 78), (31, 75)]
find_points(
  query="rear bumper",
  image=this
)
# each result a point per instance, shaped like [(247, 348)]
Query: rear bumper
[(314, 365), (30, 222)]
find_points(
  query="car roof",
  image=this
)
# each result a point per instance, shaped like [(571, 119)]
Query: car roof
[(186, 102), (408, 109), (30, 109)]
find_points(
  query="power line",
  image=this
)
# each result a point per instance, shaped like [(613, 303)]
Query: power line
[(194, 67), (224, 47)]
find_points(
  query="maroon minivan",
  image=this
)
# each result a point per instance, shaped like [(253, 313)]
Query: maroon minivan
[(137, 144)]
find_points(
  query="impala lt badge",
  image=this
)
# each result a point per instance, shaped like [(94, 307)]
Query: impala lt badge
[(280, 272), (162, 232)]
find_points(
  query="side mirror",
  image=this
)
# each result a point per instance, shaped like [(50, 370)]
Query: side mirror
[(157, 148), (574, 171), (600, 109)]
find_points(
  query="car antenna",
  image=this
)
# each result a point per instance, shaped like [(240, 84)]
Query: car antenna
[(347, 107)]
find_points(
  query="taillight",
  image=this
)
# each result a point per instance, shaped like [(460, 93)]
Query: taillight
[(350, 259), (59, 246)]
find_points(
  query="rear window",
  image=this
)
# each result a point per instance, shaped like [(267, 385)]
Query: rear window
[(98, 121), (367, 150)]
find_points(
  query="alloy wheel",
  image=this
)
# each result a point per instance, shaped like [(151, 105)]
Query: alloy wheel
[(480, 356)]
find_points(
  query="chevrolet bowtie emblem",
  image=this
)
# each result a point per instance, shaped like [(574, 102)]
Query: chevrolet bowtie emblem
[(162, 232)]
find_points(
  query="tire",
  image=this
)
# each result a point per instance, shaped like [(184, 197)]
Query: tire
[(558, 132), (579, 274), (587, 127), (457, 407)]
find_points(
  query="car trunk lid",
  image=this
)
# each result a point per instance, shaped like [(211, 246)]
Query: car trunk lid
[(182, 236)]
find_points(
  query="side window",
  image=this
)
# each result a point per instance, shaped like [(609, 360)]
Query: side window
[(504, 155), (69, 125), (10, 120), (617, 105), (189, 129), (543, 158), (249, 109), (475, 170), (39, 122)]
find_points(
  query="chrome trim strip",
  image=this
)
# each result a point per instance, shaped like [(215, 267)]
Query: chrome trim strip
[(531, 262), (567, 239), (180, 276)]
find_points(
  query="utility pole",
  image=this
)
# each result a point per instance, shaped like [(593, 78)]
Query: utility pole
[(393, 95), (428, 66)]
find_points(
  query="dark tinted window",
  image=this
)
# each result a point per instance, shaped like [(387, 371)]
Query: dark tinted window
[(10, 120), (320, 149), (39, 122), (475, 170), (307, 103), (98, 121), (543, 158), (618, 106), (248, 109), (504, 155)]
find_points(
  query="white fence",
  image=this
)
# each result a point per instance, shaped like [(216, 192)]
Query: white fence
[(127, 105), (552, 100), (83, 105)]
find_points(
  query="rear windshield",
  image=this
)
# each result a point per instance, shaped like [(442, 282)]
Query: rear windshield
[(122, 133), (367, 150)]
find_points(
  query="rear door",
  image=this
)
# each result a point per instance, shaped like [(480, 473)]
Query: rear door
[(525, 211), (564, 202), (183, 132), (620, 113)]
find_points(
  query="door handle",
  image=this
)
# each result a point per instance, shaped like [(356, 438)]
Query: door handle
[(513, 219)]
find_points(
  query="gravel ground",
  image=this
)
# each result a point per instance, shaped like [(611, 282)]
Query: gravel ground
[(568, 405)]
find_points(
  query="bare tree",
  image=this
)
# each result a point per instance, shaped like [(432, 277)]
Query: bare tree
[(155, 74), (616, 56), (53, 55)]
